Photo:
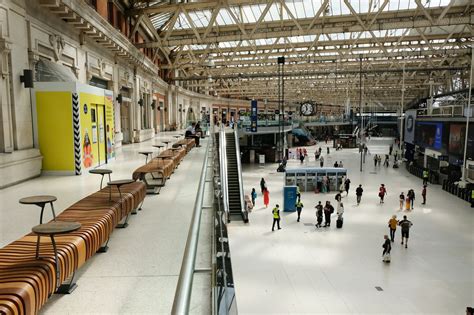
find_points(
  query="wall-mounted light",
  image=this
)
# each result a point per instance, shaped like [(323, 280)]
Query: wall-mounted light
[(140, 102), (27, 78)]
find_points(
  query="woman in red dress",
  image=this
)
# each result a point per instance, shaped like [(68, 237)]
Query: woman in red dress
[(266, 197)]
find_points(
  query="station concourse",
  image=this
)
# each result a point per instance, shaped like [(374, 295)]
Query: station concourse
[(145, 146)]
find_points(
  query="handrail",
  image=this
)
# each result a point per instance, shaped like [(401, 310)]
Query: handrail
[(182, 298), (223, 171), (239, 172)]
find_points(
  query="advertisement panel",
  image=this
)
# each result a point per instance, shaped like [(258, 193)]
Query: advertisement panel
[(429, 134), (410, 117), (253, 116), (457, 137)]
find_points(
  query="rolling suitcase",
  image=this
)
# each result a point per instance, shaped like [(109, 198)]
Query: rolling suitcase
[(339, 223)]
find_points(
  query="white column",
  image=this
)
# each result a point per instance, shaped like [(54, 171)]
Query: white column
[(6, 126)]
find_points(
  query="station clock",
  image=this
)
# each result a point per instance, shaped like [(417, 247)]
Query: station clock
[(307, 109)]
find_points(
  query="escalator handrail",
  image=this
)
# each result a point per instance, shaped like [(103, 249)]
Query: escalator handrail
[(223, 171), (239, 172)]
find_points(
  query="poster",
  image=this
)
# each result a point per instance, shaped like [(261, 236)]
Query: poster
[(94, 134), (457, 137)]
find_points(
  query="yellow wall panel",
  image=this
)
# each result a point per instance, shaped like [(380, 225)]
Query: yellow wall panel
[(55, 130)]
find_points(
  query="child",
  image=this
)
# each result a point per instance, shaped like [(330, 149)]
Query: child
[(254, 196)]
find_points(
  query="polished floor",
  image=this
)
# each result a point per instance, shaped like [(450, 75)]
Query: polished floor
[(303, 270), (139, 273)]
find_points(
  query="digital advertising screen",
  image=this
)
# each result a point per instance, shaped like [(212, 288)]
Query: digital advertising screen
[(457, 137), (429, 134)]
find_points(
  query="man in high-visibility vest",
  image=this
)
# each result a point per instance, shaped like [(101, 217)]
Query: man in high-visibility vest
[(299, 207), (425, 176), (276, 217)]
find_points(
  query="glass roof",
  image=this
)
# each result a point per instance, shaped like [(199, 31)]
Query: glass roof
[(299, 9)]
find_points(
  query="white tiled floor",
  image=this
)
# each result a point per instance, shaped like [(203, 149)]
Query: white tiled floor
[(139, 273), (300, 269)]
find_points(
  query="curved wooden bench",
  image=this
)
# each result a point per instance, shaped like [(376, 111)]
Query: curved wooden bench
[(154, 174), (26, 282), (177, 155), (188, 143)]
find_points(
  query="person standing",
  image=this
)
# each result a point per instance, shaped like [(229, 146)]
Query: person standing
[(472, 198), (321, 161), (386, 162), (382, 192), (402, 200), (407, 202), (379, 160), (262, 185), (299, 208), (387, 247), (298, 192), (301, 157), (338, 197), (423, 194), (340, 211), (340, 164), (359, 192), (347, 185), (392, 224), (254, 196), (425, 176), (327, 149), (325, 184), (319, 214), (276, 217), (411, 197), (335, 164), (406, 225), (266, 197), (328, 210), (390, 149), (375, 160)]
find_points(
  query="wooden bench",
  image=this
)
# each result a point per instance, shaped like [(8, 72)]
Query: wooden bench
[(154, 174), (175, 155), (187, 143), (26, 283)]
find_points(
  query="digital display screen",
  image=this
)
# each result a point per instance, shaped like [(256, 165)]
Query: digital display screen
[(429, 134)]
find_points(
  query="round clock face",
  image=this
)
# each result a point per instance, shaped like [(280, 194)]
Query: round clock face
[(307, 109)]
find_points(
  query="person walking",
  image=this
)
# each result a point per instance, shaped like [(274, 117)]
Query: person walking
[(338, 197), (325, 184), (423, 194), (472, 198), (386, 162), (387, 247), (407, 202), (298, 192), (340, 210), (392, 224), (320, 150), (328, 210), (276, 217), (375, 160), (347, 185), (390, 149), (262, 185), (319, 214), (425, 176), (321, 161), (402, 200), (406, 225), (379, 160), (301, 157), (359, 192), (266, 197), (382, 192), (299, 208), (411, 197), (253, 194), (327, 149)]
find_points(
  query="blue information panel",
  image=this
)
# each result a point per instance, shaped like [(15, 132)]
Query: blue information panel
[(289, 198), (253, 116)]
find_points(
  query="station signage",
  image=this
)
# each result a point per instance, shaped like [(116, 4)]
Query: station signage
[(253, 116)]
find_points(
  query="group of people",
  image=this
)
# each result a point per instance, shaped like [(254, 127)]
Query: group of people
[(405, 226), (338, 164), (194, 131)]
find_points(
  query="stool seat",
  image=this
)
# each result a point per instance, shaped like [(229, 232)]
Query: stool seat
[(145, 152), (120, 182), (56, 227), (37, 200), (100, 171)]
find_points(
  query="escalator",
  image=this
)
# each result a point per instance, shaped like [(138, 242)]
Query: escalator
[(232, 176)]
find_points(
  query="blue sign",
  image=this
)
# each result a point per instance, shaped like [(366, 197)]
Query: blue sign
[(289, 198), (253, 116)]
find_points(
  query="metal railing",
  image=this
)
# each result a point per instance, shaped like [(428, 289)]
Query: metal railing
[(239, 173), (182, 297), (442, 111)]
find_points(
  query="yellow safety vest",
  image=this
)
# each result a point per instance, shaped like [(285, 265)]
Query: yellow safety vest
[(472, 194), (276, 213), (299, 205), (425, 173)]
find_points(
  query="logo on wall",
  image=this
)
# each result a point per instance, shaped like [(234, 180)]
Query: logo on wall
[(85, 108), (410, 116)]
